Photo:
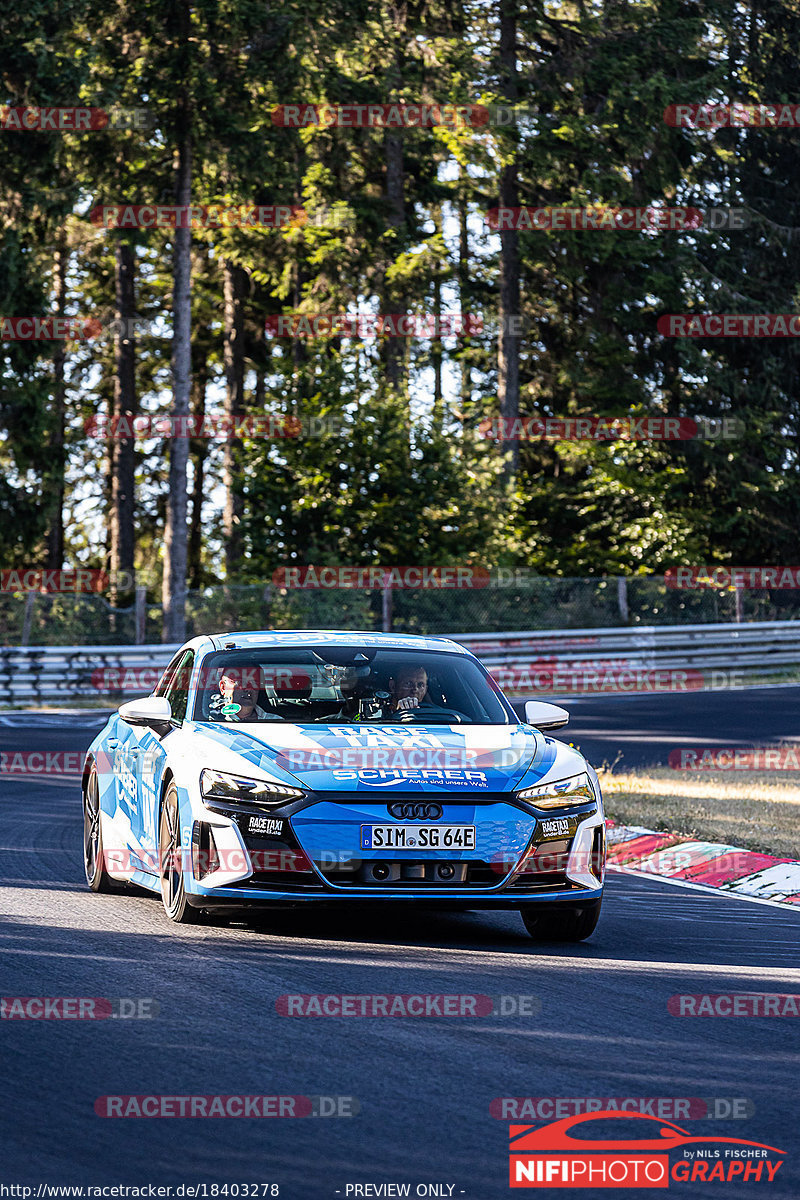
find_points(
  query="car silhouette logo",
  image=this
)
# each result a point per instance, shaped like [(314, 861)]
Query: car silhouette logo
[(556, 1136)]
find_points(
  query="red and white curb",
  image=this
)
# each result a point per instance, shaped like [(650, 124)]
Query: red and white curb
[(709, 864)]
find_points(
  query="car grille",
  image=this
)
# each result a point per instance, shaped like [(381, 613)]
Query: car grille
[(393, 873)]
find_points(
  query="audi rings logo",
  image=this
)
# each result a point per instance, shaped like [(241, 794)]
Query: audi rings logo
[(409, 811)]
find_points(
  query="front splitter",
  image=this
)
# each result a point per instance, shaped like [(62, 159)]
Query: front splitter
[(229, 898)]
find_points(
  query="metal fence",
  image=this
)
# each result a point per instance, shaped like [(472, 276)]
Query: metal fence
[(563, 662), (656, 658), (542, 603)]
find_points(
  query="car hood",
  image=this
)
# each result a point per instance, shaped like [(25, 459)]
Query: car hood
[(425, 758)]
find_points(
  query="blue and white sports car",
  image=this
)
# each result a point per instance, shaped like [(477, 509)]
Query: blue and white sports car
[(290, 768)]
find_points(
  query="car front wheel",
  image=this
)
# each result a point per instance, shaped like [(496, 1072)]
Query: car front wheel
[(569, 925), (97, 877), (170, 863)]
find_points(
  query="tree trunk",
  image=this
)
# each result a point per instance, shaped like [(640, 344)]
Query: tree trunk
[(464, 292), (235, 283), (437, 352), (198, 450), (123, 461), (300, 352), (395, 356), (260, 393), (392, 297), (173, 594), (54, 478), (508, 347)]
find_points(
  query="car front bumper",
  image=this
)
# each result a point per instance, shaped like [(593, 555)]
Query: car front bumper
[(522, 859)]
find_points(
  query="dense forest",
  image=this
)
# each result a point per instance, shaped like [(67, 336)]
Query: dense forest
[(347, 167)]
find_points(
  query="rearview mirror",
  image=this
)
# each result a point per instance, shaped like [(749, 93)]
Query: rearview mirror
[(545, 716), (153, 711)]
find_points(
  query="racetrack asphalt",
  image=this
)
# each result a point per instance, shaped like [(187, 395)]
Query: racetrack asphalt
[(424, 1085)]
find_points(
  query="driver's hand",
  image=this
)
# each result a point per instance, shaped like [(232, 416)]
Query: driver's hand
[(406, 703)]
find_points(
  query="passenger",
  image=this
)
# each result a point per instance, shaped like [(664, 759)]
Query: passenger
[(237, 696)]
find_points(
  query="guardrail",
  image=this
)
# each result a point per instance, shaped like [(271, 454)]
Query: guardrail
[(559, 662), (642, 658), (47, 675)]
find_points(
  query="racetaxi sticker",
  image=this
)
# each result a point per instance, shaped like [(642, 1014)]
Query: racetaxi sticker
[(556, 827), (399, 775), (379, 736), (266, 826)]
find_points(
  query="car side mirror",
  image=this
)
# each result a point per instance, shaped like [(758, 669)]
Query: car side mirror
[(545, 716), (153, 711)]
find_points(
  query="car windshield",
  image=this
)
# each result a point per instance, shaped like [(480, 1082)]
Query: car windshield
[(348, 683)]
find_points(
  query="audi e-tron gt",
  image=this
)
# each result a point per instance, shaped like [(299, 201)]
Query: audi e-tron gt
[(289, 768)]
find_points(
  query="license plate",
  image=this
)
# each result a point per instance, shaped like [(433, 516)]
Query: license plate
[(417, 837)]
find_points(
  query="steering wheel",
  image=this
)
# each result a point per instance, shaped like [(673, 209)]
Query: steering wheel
[(412, 714)]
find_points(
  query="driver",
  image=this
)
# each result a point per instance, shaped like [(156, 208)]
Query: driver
[(408, 689), (236, 698)]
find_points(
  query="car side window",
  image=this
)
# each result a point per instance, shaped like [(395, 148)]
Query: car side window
[(178, 688), (164, 681)]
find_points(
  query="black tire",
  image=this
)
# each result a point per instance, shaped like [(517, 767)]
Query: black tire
[(170, 863), (570, 925), (97, 877)]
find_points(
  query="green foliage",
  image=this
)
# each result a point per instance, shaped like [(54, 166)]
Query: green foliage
[(397, 472)]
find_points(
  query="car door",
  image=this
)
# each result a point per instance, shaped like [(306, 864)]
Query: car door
[(151, 756), (117, 782)]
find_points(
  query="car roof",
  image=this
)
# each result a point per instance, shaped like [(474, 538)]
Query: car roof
[(254, 639)]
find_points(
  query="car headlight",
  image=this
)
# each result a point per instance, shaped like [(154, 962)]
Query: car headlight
[(221, 786), (561, 793)]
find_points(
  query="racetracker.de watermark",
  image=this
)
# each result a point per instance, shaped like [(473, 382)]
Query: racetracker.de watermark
[(30, 118), (220, 216), (709, 115), (735, 1004), (379, 115), (78, 1008), (78, 329), (144, 679), (436, 1004), (665, 1108), (412, 756), (200, 863), (213, 426), (600, 677), (41, 762), (49, 329), (729, 325), (735, 758), (690, 860), (368, 578), (607, 218), (532, 679), (404, 325), (721, 578), (227, 1106), (46, 580), (654, 428)]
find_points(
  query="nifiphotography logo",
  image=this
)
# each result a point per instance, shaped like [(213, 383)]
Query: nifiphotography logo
[(587, 1151)]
